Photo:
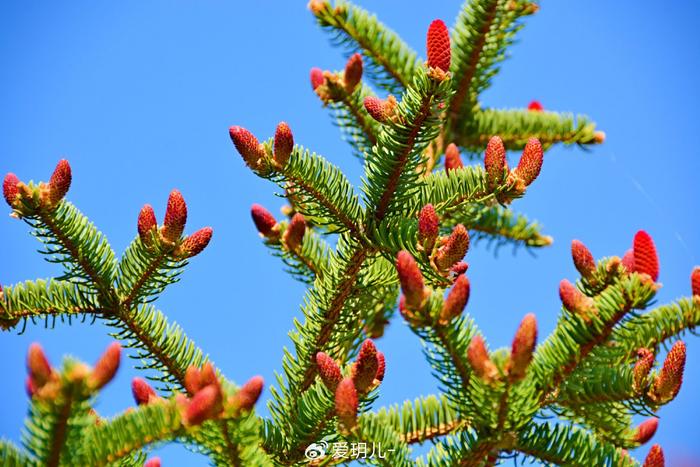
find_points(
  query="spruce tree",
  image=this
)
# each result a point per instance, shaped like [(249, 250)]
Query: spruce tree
[(436, 179)]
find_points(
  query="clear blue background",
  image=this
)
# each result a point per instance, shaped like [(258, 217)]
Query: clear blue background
[(139, 95)]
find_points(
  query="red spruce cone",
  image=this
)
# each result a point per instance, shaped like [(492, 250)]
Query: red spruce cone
[(645, 361), (146, 223), (205, 405), (264, 221), (645, 259), (152, 462), (248, 147), (193, 378), (454, 248), (523, 347), (195, 243), (346, 403), (438, 46), (411, 280), (249, 393), (530, 162), (535, 106), (645, 431), (574, 300), (695, 281), (294, 234), (284, 143), (480, 361), (142, 391), (583, 259), (655, 458), (364, 370), (669, 380), (495, 163), (428, 227), (175, 217), (9, 188), (353, 73), (628, 260), (375, 108), (328, 370), (452, 158), (456, 300), (106, 367), (381, 366), (317, 78), (38, 366), (59, 183)]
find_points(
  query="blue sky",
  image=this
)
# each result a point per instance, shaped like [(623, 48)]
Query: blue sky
[(139, 96)]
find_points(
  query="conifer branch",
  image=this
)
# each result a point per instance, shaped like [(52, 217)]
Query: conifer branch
[(12, 456), (390, 63), (359, 128)]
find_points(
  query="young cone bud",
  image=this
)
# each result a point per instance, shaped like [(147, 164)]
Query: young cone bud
[(365, 368), (459, 268), (249, 393), (328, 370), (346, 403), (574, 300), (263, 219), (205, 404), (523, 347), (316, 78), (152, 462), (454, 249), (479, 360), (655, 458), (695, 281), (30, 387), (142, 391), (248, 147), (195, 243), (645, 361), (9, 188), (530, 162), (495, 162), (381, 366), (428, 227), (60, 180), (175, 217), (294, 234), (628, 260), (535, 106), (456, 300), (146, 223), (645, 259), (193, 378), (353, 73), (669, 380), (207, 375), (106, 367), (38, 366), (411, 279), (583, 259), (452, 158), (284, 143), (375, 108), (438, 46), (645, 431)]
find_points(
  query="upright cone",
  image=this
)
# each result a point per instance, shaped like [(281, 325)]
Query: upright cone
[(438, 46)]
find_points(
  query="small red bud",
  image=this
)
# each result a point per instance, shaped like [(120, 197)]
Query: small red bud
[(452, 158), (530, 162), (523, 347), (284, 143), (456, 300), (328, 370), (583, 259), (695, 281), (142, 391), (428, 227), (645, 361), (655, 458), (146, 223), (628, 260), (411, 279), (152, 462), (459, 268), (317, 78), (205, 404), (193, 377), (175, 217), (480, 361), (381, 366), (375, 108), (106, 367), (346, 403), (495, 163), (294, 234), (9, 188), (195, 243), (599, 137), (248, 147), (248, 395), (263, 219), (38, 366), (669, 380), (364, 370), (645, 259), (454, 248), (574, 300), (535, 106), (645, 431), (60, 180), (207, 375), (438, 46), (353, 73)]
